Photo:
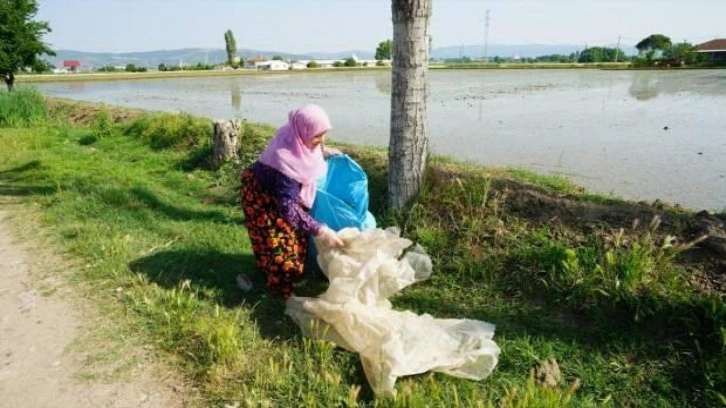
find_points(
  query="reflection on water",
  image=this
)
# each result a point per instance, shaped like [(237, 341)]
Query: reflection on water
[(647, 85), (236, 95), (644, 87), (638, 134), (383, 83), (76, 86)]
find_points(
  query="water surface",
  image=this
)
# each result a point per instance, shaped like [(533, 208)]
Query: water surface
[(635, 134)]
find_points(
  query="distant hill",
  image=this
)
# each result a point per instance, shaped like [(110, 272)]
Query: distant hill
[(191, 56)]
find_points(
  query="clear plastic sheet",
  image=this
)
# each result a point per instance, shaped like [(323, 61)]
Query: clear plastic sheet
[(355, 313)]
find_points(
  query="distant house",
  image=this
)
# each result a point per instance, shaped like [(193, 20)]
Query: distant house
[(72, 65), (716, 49), (273, 65), (251, 63)]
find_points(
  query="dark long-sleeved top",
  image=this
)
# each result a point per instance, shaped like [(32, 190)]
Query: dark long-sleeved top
[(287, 192)]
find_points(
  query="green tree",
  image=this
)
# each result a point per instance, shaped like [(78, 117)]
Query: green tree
[(384, 50), (41, 66), (277, 58), (684, 52), (350, 62), (313, 64), (231, 46), (130, 68), (106, 68), (21, 38), (600, 54), (653, 44)]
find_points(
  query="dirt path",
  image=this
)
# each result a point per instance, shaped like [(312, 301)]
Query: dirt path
[(46, 356)]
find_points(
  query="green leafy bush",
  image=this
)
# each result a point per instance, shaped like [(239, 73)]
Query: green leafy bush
[(171, 130), (102, 124)]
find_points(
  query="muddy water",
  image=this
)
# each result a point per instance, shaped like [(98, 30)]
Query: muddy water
[(640, 135)]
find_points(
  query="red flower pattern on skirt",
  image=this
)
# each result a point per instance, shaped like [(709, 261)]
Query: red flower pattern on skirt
[(279, 248)]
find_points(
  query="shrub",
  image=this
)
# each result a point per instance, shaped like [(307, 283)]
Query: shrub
[(635, 271), (171, 130), (23, 107), (313, 64), (102, 124), (253, 140)]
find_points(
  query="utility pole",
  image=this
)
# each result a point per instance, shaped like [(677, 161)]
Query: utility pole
[(486, 35), (617, 49)]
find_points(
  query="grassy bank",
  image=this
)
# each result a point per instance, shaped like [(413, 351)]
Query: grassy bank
[(631, 314), (534, 65), (108, 76)]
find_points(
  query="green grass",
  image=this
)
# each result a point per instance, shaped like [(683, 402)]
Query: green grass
[(22, 107), (160, 237), (170, 130), (108, 76)]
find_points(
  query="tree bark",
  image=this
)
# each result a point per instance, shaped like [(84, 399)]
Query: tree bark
[(409, 138), (10, 81), (226, 139)]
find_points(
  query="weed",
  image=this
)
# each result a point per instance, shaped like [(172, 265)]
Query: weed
[(22, 107)]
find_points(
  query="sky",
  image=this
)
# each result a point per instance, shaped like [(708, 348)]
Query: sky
[(303, 26)]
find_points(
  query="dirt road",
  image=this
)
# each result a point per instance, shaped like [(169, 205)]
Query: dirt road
[(48, 359)]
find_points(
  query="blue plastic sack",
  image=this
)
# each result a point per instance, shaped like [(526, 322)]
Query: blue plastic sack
[(341, 199)]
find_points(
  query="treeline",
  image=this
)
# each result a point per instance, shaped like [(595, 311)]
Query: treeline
[(659, 50), (197, 67), (654, 50), (127, 68), (590, 54), (162, 67)]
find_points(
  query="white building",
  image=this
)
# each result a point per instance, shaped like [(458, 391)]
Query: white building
[(272, 65), (298, 65)]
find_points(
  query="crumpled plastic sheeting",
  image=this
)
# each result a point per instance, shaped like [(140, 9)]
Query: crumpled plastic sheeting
[(354, 313)]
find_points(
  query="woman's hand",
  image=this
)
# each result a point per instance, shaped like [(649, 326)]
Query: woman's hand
[(329, 238), (330, 151)]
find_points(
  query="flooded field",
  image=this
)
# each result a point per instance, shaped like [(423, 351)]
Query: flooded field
[(642, 135)]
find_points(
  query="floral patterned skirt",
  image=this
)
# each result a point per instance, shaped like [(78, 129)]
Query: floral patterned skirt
[(279, 248)]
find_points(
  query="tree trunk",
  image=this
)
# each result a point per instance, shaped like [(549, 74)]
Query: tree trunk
[(226, 139), (409, 138), (9, 81)]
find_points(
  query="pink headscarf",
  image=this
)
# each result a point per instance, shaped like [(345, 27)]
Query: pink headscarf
[(287, 152)]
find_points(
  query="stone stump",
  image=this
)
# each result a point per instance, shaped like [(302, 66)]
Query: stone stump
[(226, 140)]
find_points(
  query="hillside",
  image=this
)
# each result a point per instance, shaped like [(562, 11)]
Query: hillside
[(217, 55)]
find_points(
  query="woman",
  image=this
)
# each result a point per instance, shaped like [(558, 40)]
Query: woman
[(277, 193)]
